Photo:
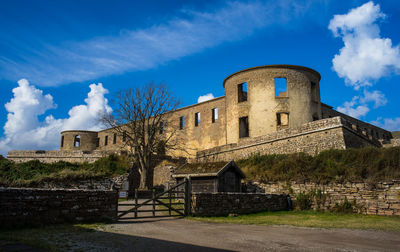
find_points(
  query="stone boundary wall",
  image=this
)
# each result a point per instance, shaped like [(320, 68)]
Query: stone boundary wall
[(221, 204), (42, 206), (74, 156), (310, 138), (382, 198)]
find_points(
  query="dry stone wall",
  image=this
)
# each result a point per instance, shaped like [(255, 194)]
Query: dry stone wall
[(382, 198), (221, 204), (42, 206), (76, 156)]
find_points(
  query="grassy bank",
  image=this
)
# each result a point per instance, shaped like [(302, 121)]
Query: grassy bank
[(311, 219), (33, 173), (366, 164)]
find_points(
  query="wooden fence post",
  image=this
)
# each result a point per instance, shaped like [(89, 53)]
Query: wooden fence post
[(188, 196), (136, 202), (154, 202)]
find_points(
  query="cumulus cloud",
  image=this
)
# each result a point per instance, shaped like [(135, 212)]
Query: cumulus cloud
[(204, 98), (391, 124), (352, 108), (141, 49), (366, 56), (23, 130), (359, 105)]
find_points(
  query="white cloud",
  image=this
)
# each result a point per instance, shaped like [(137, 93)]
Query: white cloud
[(352, 108), (204, 98), (23, 130), (365, 56), (359, 105), (377, 97), (391, 124), (146, 48)]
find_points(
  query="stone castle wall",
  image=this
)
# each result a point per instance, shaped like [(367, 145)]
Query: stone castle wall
[(75, 156), (220, 204), (382, 198), (20, 207), (311, 138)]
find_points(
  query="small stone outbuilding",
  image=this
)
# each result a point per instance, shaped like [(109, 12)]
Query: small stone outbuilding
[(211, 177)]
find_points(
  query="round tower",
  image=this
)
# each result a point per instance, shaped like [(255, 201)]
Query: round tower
[(264, 99), (79, 140)]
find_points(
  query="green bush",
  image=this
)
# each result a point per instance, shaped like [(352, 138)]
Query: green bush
[(345, 207), (304, 201), (33, 173)]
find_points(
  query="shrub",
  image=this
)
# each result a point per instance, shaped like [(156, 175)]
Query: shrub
[(345, 207), (304, 201)]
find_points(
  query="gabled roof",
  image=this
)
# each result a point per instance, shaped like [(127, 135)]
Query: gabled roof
[(206, 169)]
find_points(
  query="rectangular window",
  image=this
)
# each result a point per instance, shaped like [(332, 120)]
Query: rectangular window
[(282, 119), (197, 119), (243, 127), (181, 122), (115, 138), (161, 127), (281, 87), (97, 142), (105, 140), (242, 92), (62, 141), (314, 96), (214, 115), (124, 136)]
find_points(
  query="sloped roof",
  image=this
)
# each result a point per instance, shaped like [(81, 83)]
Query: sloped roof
[(205, 169)]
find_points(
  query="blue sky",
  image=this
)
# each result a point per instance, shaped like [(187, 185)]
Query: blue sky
[(52, 51)]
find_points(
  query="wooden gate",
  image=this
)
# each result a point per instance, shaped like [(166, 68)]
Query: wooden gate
[(173, 202)]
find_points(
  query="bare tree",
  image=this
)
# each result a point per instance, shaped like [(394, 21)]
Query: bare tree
[(140, 117)]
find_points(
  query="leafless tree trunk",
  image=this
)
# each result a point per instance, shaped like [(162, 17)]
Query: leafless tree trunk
[(140, 117)]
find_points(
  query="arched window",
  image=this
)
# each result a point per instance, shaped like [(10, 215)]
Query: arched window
[(77, 141)]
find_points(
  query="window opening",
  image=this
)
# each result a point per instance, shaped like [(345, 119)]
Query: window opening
[(282, 119), (281, 87), (124, 136), (77, 141), (197, 119), (181, 122), (115, 138), (243, 127), (242, 92), (214, 114), (105, 140), (97, 142), (62, 141), (314, 91)]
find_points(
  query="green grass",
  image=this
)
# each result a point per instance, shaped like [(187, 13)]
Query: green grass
[(351, 165), (311, 219), (48, 238)]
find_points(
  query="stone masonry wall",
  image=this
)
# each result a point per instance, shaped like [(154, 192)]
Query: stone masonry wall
[(309, 138), (42, 206), (220, 204), (76, 156), (382, 198)]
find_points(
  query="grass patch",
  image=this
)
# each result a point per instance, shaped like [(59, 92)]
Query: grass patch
[(48, 238), (34, 173), (365, 164), (311, 219)]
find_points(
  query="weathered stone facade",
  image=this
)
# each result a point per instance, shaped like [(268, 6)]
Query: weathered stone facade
[(254, 116), (42, 206), (220, 204), (382, 198)]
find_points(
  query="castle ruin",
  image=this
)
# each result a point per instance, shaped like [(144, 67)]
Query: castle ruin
[(266, 109)]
